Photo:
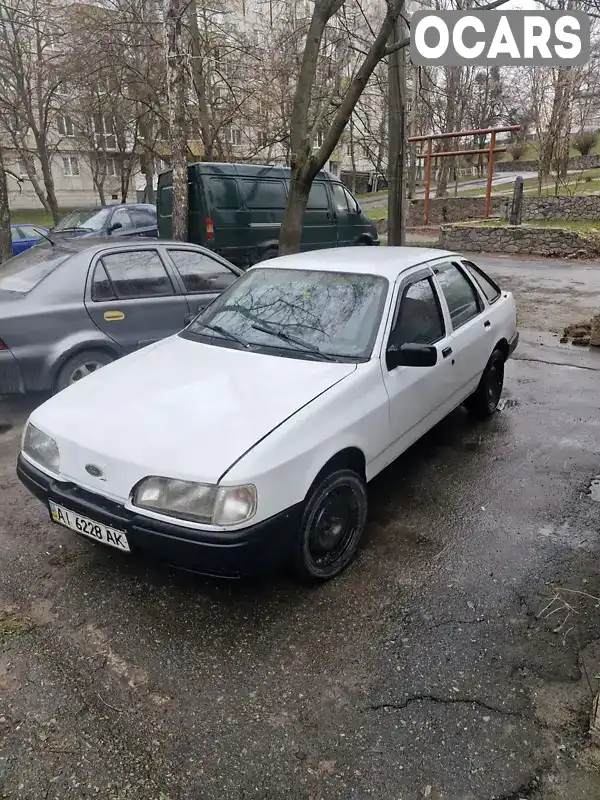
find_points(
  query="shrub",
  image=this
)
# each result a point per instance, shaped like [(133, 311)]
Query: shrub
[(517, 151), (585, 143)]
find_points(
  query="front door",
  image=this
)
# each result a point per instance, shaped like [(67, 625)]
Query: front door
[(419, 396), (133, 300), (345, 215)]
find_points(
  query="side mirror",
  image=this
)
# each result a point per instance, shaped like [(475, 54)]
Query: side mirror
[(114, 227), (411, 355)]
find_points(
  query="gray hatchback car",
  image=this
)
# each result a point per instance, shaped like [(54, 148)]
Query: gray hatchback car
[(69, 308)]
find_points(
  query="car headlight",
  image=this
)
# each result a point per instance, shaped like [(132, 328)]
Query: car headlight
[(41, 448), (197, 502)]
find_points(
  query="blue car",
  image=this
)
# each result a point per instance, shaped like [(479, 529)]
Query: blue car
[(128, 219), (25, 236)]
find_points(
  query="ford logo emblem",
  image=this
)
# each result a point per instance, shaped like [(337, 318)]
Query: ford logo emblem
[(93, 470)]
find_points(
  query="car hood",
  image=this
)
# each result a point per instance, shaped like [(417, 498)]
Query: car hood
[(178, 408)]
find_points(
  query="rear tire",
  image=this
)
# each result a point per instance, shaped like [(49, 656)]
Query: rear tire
[(79, 366), (484, 400), (333, 521), (271, 252)]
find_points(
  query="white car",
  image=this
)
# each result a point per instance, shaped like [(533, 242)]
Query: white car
[(248, 439)]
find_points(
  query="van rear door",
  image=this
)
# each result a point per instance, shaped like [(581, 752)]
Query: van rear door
[(228, 218)]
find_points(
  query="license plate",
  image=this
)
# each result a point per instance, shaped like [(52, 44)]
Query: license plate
[(87, 527)]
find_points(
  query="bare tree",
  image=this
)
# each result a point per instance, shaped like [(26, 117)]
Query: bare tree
[(177, 86), (5, 237)]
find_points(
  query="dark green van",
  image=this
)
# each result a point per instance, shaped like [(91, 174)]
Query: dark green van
[(236, 210)]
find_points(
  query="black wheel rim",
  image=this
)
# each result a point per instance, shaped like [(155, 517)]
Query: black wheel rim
[(334, 526), (495, 379), (84, 369)]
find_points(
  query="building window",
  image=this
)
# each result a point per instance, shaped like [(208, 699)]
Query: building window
[(111, 167), (104, 132), (232, 136), (24, 163), (70, 166), (333, 167), (65, 126), (319, 139), (160, 165)]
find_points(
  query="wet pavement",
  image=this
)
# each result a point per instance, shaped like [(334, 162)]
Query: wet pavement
[(434, 667)]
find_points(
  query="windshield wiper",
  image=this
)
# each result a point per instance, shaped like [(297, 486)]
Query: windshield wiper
[(225, 333), (45, 235), (306, 346)]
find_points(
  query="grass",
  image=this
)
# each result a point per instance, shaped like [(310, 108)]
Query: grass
[(36, 216), (381, 212), (11, 625)]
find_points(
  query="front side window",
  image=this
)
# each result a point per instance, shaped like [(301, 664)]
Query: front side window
[(339, 198), (137, 274), (419, 319), (201, 273), (336, 313), (461, 297), (317, 199), (121, 217)]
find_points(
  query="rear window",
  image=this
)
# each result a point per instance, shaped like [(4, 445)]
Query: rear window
[(265, 194), (22, 273)]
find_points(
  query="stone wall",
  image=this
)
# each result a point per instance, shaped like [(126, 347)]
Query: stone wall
[(583, 162), (517, 239), (564, 207), (454, 209), (362, 182)]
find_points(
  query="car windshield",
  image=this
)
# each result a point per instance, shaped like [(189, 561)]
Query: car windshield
[(91, 219), (305, 311), (23, 272)]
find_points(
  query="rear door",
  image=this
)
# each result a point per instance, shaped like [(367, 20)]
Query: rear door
[(227, 218), (318, 227), (471, 344), (133, 299), (203, 277)]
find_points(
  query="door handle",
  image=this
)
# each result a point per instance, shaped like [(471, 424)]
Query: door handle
[(446, 352), (487, 323)]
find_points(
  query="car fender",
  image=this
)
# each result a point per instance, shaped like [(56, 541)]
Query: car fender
[(75, 343), (353, 413)]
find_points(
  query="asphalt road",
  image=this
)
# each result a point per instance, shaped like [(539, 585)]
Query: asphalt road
[(426, 670)]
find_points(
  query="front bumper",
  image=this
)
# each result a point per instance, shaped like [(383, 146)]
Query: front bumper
[(512, 343), (260, 548)]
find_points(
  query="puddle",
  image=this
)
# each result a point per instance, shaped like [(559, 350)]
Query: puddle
[(594, 488), (5, 427)]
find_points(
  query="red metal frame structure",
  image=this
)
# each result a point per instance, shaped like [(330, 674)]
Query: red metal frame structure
[(491, 150)]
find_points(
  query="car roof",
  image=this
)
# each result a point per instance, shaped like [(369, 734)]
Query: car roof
[(111, 205), (79, 244), (385, 261)]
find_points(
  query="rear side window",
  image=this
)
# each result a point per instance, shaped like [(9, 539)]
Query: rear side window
[(490, 289), (142, 217), (317, 199), (133, 274), (460, 294), (201, 273), (265, 194), (224, 192), (22, 273)]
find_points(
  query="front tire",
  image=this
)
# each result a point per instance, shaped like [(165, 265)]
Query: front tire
[(484, 400), (333, 521)]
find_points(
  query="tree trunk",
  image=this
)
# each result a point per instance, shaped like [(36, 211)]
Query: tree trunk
[(396, 138), (147, 164), (46, 164), (176, 90), (412, 127), (5, 237), (291, 226), (352, 160), (200, 85)]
